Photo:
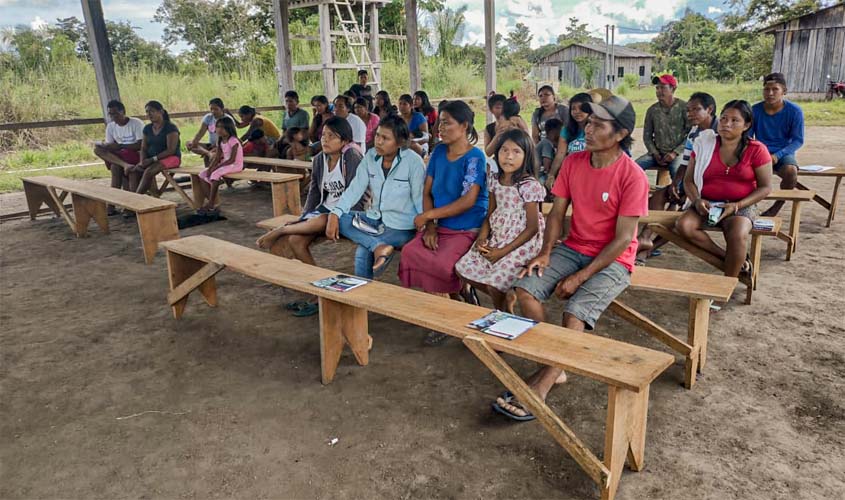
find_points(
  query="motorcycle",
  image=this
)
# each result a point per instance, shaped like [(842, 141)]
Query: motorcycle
[(834, 89)]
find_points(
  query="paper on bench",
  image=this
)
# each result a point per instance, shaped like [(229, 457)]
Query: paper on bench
[(814, 168)]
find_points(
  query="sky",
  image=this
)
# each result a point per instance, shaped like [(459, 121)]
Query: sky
[(546, 18)]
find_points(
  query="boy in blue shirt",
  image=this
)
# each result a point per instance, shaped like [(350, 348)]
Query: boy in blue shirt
[(779, 124)]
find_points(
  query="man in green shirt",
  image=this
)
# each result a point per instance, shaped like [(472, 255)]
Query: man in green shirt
[(666, 127), (294, 116)]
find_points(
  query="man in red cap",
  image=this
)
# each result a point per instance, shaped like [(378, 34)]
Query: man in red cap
[(666, 127)]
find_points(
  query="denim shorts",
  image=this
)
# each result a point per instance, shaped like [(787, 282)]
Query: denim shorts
[(782, 162), (592, 297)]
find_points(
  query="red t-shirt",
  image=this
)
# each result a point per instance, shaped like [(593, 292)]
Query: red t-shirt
[(740, 180), (599, 196)]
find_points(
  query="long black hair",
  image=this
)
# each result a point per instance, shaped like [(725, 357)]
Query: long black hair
[(526, 144), (229, 126), (463, 114), (340, 127), (745, 110), (158, 107), (495, 99), (397, 125), (426, 107), (511, 107), (388, 106), (571, 124)]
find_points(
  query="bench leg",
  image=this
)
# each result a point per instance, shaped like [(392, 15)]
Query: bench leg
[(285, 198), (599, 472), (339, 322), (834, 201), (196, 190), (794, 228), (624, 436), (169, 179), (699, 323), (156, 227), (36, 195), (663, 177), (193, 274), (756, 254), (85, 209)]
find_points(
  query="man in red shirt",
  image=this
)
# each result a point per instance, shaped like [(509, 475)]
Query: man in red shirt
[(608, 193)]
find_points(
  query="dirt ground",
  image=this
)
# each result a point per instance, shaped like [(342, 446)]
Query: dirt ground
[(105, 395)]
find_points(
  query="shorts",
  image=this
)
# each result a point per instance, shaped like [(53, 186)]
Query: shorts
[(170, 162), (592, 297), (129, 155), (784, 161), (751, 213)]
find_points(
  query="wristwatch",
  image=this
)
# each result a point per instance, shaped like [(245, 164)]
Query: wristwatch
[(155, 158)]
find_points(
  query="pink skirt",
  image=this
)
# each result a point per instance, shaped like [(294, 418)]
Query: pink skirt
[(434, 270), (220, 172)]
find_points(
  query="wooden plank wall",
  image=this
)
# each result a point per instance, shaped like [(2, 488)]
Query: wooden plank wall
[(548, 68), (810, 48)]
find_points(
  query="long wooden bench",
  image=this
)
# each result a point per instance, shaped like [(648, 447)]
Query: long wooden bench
[(156, 218), (837, 173), (626, 369), (279, 164), (797, 197), (284, 187), (700, 289)]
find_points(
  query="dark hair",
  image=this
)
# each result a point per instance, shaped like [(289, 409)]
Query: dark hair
[(706, 101), (775, 77), (292, 131), (426, 107), (361, 101), (340, 127), (256, 134), (462, 113), (388, 106), (571, 124), (441, 106), (399, 128), (362, 72), (346, 100), (321, 99), (626, 143), (246, 110), (115, 104), (511, 107), (526, 144), (216, 102), (546, 87), (229, 126), (158, 107), (745, 110), (553, 124), (292, 94), (495, 99), (406, 98)]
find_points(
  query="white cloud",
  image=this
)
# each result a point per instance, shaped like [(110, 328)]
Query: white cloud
[(714, 10), (38, 23)]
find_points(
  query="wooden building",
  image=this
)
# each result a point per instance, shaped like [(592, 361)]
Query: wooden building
[(560, 66), (809, 48)]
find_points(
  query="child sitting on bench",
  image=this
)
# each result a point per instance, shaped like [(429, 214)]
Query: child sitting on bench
[(228, 159)]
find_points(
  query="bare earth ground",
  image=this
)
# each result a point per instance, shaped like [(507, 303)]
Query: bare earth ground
[(234, 405)]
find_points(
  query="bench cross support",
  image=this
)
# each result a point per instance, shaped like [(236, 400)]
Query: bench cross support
[(186, 275), (338, 323)]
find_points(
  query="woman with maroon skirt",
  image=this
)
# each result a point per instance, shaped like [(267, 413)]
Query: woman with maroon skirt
[(454, 208)]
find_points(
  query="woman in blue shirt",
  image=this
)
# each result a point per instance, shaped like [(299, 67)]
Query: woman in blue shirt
[(454, 206), (417, 124), (395, 176)]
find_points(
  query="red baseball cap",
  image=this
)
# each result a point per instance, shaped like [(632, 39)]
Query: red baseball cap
[(667, 79)]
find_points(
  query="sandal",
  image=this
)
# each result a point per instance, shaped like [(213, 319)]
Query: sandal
[(434, 339), (508, 399), (470, 297), (379, 269), (296, 305), (309, 310)]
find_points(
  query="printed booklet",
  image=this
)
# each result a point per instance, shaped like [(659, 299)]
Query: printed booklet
[(340, 283), (502, 324)]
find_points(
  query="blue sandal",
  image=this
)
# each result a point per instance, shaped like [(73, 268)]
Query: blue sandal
[(308, 310), (509, 398), (385, 262)]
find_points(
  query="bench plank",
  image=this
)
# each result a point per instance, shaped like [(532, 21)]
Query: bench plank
[(277, 162), (138, 203), (612, 362), (683, 283)]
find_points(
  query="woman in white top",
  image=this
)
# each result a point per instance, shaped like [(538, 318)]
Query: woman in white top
[(331, 172)]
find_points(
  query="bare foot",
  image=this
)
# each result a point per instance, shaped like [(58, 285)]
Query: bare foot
[(266, 241)]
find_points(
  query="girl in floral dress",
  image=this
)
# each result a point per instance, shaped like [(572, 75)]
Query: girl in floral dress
[(512, 233)]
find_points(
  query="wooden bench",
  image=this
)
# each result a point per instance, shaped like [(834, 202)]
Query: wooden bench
[(156, 218), (838, 173), (284, 187), (280, 164), (797, 197), (626, 369)]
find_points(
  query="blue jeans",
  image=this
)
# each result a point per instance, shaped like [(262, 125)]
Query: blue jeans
[(647, 161), (367, 243)]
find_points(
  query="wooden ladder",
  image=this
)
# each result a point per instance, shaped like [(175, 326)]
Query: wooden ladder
[(355, 39)]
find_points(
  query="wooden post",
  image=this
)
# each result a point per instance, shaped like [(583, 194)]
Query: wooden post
[(375, 45), (284, 66), (413, 44), (326, 55), (490, 48), (98, 41)]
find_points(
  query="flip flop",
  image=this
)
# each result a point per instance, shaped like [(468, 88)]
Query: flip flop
[(434, 339), (309, 310), (296, 305), (385, 260), (471, 297), (655, 253), (510, 399), (639, 261)]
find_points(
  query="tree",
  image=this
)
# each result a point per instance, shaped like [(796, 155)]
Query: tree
[(758, 13), (576, 32), (519, 40), (588, 67), (447, 28)]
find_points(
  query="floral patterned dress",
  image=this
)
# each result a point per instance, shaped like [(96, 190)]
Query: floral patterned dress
[(506, 223)]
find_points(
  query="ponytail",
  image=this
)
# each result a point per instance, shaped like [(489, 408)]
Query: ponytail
[(160, 108)]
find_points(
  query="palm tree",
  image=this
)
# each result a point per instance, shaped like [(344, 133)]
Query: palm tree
[(448, 28)]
